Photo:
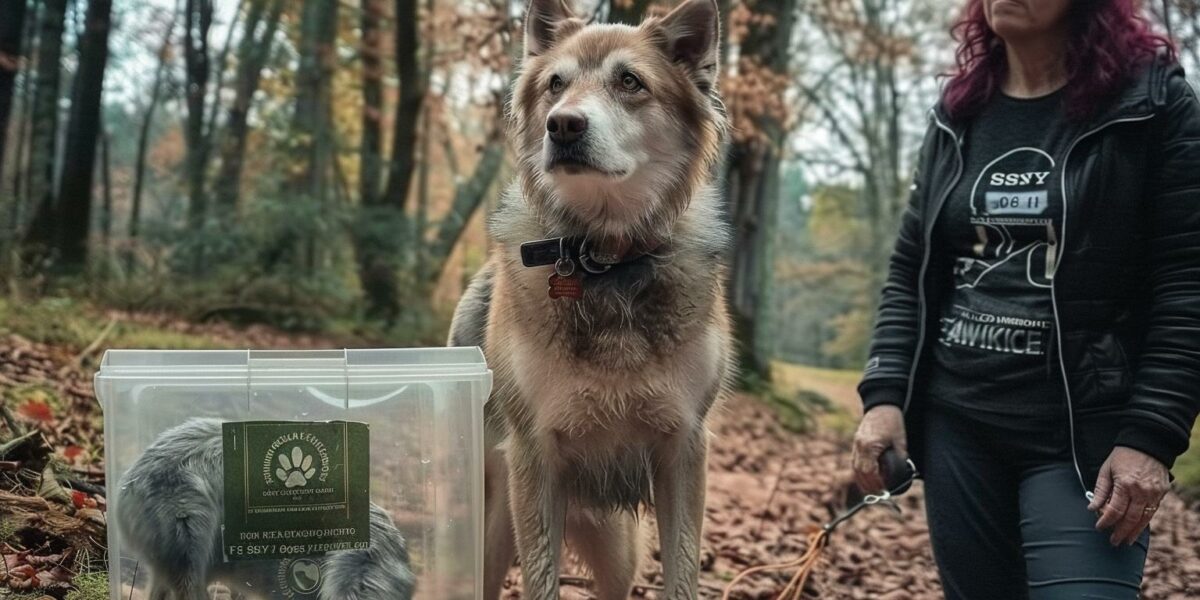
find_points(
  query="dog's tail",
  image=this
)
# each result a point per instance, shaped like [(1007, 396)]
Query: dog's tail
[(471, 317), (169, 508)]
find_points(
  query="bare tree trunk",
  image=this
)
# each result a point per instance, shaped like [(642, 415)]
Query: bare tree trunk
[(12, 227), (12, 28), (311, 122), (422, 220), (79, 156), (20, 172), (210, 128), (198, 16), (753, 188), (139, 169), (106, 189), (252, 56), (419, 253), (408, 110), (44, 116), (378, 255), (468, 197), (311, 118), (371, 147)]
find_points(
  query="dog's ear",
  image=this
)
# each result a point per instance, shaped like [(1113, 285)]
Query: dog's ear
[(692, 32), (547, 22)]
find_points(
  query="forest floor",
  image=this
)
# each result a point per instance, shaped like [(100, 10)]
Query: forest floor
[(768, 486)]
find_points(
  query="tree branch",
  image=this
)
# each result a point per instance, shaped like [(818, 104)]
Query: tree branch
[(468, 195)]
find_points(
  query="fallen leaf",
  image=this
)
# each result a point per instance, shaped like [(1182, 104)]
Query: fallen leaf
[(71, 453), (37, 410)]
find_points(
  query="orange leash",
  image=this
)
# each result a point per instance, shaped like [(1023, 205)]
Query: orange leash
[(803, 565), (898, 473)]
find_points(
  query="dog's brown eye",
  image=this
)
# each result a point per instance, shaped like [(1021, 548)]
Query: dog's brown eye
[(556, 84), (630, 82)]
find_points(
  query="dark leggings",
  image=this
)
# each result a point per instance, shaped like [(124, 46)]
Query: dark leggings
[(1008, 518)]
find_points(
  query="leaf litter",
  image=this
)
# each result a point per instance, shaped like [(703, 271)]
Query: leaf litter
[(767, 488)]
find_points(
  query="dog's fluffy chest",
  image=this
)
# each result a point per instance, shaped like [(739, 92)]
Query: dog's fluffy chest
[(643, 363)]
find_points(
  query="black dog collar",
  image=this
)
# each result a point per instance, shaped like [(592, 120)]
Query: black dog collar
[(561, 250)]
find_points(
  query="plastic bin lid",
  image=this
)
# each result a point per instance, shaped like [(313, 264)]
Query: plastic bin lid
[(464, 361)]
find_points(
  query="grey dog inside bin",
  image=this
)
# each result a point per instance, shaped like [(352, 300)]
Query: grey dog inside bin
[(423, 409)]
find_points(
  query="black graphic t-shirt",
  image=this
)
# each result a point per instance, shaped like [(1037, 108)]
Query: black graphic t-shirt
[(1001, 225)]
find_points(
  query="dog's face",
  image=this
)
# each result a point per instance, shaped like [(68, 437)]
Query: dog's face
[(616, 125)]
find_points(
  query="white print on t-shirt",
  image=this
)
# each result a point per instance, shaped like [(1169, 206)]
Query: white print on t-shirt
[(1013, 256), (1011, 179), (1009, 197), (995, 333)]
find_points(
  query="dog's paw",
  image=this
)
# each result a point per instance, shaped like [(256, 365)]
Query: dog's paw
[(218, 591), (295, 471)]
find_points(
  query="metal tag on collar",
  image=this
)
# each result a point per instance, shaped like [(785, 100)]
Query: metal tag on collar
[(543, 252)]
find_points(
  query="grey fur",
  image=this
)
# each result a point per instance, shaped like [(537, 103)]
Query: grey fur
[(170, 510), (470, 318)]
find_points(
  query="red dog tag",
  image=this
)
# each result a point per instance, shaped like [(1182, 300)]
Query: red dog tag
[(566, 287)]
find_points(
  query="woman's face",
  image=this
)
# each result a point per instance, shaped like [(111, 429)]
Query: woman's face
[(1017, 19)]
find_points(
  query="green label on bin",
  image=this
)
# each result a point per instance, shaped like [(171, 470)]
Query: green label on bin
[(295, 489)]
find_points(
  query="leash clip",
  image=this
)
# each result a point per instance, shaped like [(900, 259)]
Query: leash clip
[(870, 499)]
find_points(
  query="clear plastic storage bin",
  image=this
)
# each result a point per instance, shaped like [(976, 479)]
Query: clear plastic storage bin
[(423, 408)]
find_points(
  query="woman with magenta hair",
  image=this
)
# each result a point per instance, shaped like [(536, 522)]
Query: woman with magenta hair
[(1037, 348)]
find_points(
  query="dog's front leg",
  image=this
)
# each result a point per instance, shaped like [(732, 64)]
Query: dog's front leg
[(539, 514), (679, 481)]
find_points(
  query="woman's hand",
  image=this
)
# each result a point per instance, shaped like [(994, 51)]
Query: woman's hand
[(1130, 486), (881, 428)]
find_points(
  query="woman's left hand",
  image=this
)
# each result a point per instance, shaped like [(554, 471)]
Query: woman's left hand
[(1130, 486)]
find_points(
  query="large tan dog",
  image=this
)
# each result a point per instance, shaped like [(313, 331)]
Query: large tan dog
[(602, 309)]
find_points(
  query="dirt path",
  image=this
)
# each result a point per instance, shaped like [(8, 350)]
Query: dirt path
[(767, 488)]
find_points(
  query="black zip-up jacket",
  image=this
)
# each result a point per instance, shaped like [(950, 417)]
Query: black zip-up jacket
[(1126, 292)]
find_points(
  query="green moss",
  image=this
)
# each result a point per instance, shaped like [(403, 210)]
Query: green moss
[(49, 320), (89, 586), (19, 395), (798, 410), (65, 322), (840, 421), (8, 527), (140, 336), (1187, 468)]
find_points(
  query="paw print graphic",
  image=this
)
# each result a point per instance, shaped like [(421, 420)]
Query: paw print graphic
[(295, 471)]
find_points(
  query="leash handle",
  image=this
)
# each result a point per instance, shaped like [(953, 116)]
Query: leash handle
[(898, 473)]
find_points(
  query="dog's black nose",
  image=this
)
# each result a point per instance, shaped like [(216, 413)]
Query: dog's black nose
[(566, 127)]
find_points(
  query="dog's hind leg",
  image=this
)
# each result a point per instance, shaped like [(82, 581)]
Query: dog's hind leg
[(679, 481), (538, 511), (608, 543), (500, 545), (160, 591)]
